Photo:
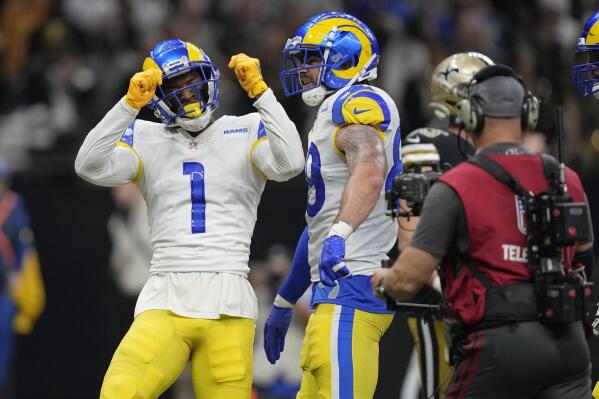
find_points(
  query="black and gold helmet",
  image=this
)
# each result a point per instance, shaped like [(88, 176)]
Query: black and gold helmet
[(450, 81)]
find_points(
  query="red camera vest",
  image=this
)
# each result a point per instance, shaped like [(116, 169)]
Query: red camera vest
[(496, 229)]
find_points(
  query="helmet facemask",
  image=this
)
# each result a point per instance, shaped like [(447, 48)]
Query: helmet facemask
[(174, 109), (586, 71), (586, 74), (300, 63), (189, 91)]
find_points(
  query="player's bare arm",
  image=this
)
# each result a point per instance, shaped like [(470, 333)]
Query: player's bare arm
[(365, 153)]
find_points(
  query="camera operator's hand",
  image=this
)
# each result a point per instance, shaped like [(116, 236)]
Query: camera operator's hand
[(378, 281), (275, 330)]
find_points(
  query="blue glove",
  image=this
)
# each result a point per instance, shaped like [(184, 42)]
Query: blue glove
[(275, 330), (331, 265)]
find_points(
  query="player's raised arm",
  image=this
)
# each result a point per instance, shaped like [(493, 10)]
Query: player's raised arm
[(100, 160), (280, 155)]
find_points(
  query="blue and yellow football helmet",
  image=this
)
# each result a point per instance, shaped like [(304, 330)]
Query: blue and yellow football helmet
[(586, 76), (174, 58), (347, 48)]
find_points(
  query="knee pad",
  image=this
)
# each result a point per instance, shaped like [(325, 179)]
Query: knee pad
[(130, 374), (119, 387)]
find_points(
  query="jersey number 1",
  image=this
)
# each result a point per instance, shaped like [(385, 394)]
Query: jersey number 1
[(198, 198)]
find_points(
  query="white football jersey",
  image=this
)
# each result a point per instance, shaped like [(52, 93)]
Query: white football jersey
[(327, 173), (202, 193), (202, 196)]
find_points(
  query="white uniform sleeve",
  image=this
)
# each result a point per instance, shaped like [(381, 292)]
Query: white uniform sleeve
[(281, 157), (100, 161)]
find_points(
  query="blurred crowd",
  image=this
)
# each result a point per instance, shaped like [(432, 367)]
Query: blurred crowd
[(65, 62)]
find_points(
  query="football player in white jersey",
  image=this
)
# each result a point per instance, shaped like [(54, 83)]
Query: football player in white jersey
[(202, 180), (354, 152)]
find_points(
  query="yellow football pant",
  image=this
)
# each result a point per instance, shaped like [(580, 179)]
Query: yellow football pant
[(435, 371), (158, 345), (340, 354)]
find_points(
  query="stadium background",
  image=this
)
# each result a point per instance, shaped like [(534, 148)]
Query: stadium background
[(64, 63)]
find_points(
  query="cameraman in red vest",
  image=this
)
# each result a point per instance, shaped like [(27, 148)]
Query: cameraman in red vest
[(508, 342)]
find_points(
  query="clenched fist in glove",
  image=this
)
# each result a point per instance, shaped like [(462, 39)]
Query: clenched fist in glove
[(247, 70), (332, 258), (142, 87)]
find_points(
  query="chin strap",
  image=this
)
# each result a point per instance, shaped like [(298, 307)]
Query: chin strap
[(195, 124), (315, 96)]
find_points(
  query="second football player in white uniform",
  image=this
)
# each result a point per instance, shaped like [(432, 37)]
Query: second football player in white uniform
[(354, 148), (202, 180)]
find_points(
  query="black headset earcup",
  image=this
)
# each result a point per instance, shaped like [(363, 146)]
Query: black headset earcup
[(530, 112), (477, 114)]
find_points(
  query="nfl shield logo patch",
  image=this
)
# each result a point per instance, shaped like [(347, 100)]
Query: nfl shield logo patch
[(521, 214), (192, 146)]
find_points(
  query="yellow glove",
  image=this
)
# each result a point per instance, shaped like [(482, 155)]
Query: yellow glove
[(247, 70), (142, 87), (29, 294)]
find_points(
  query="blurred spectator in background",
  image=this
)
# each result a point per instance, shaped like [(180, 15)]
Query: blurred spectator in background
[(22, 295), (55, 54), (130, 236), (281, 380), (535, 141)]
